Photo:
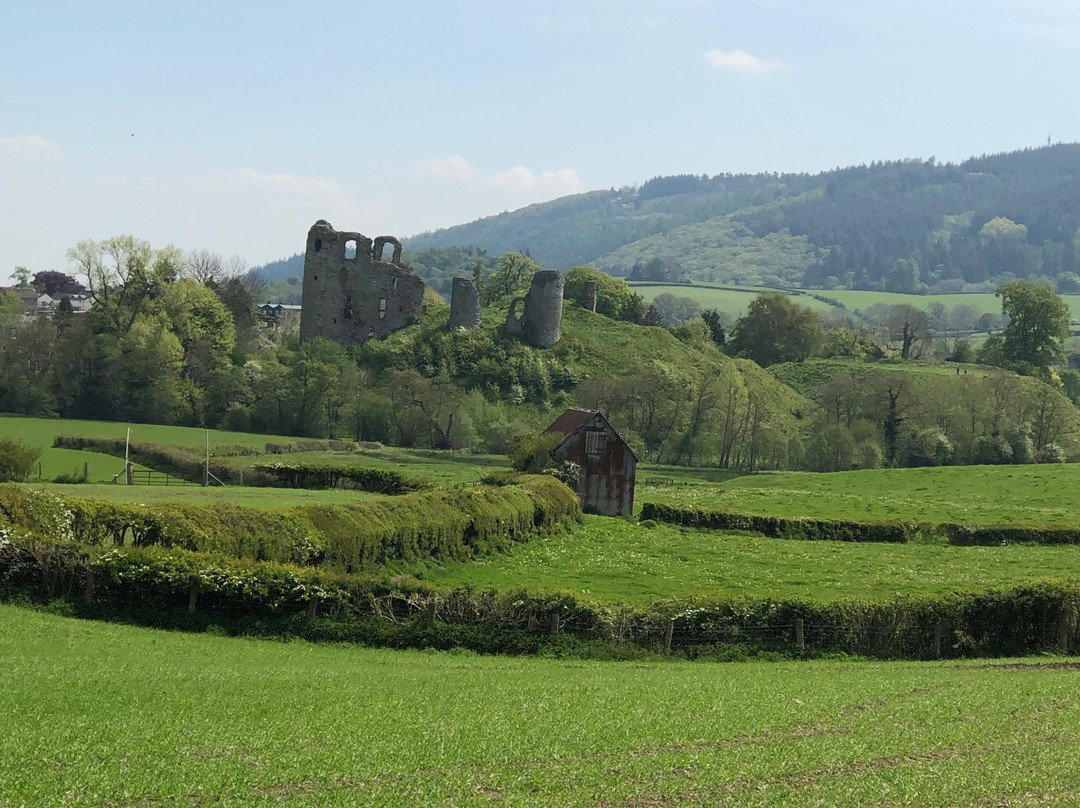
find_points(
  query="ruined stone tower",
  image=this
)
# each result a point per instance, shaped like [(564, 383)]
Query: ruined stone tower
[(464, 304), (350, 293), (541, 317)]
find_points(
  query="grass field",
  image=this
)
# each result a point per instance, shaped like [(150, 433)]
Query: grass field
[(99, 714), (1027, 495), (734, 300), (616, 561)]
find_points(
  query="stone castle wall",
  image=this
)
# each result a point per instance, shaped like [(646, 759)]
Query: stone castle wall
[(350, 293)]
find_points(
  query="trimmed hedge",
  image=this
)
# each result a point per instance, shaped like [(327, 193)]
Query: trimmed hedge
[(782, 528), (326, 475), (180, 589), (451, 524)]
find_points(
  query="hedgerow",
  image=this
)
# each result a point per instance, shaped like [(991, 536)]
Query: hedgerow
[(812, 529), (176, 588), (450, 524)]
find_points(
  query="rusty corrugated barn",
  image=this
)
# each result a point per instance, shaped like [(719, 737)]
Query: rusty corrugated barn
[(608, 465)]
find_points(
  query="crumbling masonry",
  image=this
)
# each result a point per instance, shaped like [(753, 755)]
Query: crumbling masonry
[(351, 294)]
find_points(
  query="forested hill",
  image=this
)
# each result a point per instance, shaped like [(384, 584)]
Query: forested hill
[(902, 226)]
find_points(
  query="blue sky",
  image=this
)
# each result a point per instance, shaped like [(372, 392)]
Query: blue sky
[(233, 126)]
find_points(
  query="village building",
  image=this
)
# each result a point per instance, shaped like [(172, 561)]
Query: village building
[(273, 313), (608, 465)]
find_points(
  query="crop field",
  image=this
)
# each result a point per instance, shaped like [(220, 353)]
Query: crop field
[(1024, 495), (99, 714), (616, 561)]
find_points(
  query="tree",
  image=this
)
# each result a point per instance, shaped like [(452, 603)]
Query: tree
[(676, 310), (912, 326), (511, 278), (122, 273), (21, 276), (17, 460), (612, 294), (1038, 322), (55, 283), (712, 319), (776, 329)]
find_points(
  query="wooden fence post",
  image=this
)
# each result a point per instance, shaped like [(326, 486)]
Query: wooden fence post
[(800, 637), (431, 613), (312, 606), (554, 623), (88, 592), (193, 597), (1063, 635), (667, 636), (937, 641)]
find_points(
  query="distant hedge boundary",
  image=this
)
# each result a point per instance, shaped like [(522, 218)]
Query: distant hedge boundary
[(327, 475), (811, 529), (453, 524), (782, 528), (180, 589)]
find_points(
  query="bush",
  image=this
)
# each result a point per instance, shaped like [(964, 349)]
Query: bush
[(17, 460), (532, 453)]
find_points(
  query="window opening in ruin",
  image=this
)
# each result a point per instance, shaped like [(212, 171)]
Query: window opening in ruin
[(350, 249), (382, 308), (318, 244), (395, 283), (595, 443)]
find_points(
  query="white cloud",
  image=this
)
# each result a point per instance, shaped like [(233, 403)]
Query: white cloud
[(521, 180), (445, 168), (249, 178), (742, 62), (29, 147)]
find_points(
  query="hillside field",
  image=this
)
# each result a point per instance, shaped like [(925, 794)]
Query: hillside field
[(734, 300), (102, 714), (1024, 495)]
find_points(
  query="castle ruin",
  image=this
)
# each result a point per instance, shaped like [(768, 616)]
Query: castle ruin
[(351, 294), (464, 304), (541, 314)]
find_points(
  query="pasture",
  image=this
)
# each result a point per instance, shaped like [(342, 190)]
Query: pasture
[(987, 495), (616, 561), (734, 300), (99, 714)]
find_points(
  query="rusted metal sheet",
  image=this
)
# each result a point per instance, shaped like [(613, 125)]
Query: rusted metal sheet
[(608, 465)]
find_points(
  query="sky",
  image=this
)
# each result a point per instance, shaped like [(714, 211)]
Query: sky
[(233, 126)]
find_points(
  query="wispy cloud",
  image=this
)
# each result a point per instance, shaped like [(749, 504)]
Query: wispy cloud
[(445, 168), (521, 180), (741, 62), (22, 148)]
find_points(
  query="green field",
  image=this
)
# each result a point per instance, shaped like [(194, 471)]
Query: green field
[(99, 714), (734, 300), (616, 561), (443, 468), (1025, 495)]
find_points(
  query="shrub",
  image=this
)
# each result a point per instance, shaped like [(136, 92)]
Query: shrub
[(17, 460), (532, 453)]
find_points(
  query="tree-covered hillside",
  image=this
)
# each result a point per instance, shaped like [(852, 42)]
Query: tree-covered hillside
[(904, 226)]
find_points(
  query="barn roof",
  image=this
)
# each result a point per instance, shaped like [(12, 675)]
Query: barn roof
[(571, 420)]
